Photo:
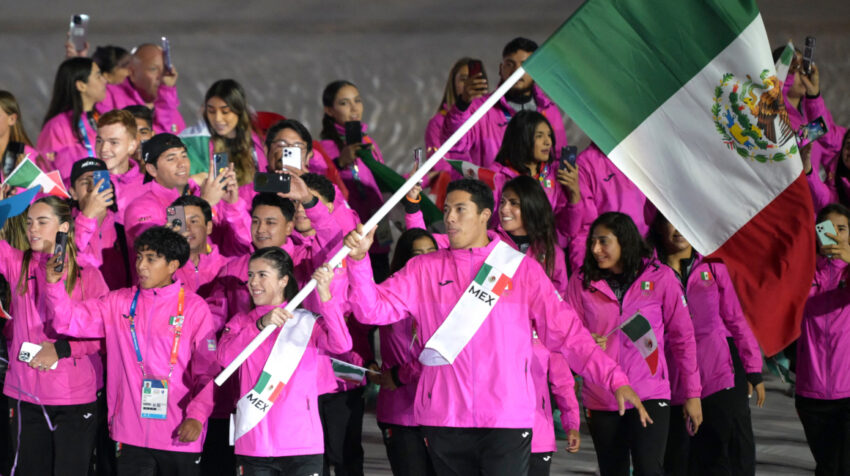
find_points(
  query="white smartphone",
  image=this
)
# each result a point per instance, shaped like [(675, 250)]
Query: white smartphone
[(77, 30), (822, 229), (28, 351), (291, 156)]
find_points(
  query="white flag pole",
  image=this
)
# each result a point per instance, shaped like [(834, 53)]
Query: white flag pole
[(378, 216)]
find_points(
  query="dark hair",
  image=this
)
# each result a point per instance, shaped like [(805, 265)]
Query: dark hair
[(519, 43), (62, 210), (837, 208), (282, 262), (482, 196), (329, 131), (537, 219), (296, 126), (287, 208), (66, 96), (141, 112), (633, 250), (108, 57), (841, 172), (404, 247), (241, 147), (164, 242), (517, 149), (193, 201), (321, 185)]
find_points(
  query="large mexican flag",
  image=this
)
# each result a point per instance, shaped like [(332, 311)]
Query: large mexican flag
[(682, 96)]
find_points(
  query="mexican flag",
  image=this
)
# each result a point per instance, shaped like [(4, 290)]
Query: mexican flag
[(3, 313), (784, 63), (267, 389), (640, 332), (197, 141), (28, 175), (345, 371), (684, 99), (493, 280), (470, 170)]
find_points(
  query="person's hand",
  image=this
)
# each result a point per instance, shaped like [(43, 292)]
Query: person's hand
[(298, 190), (348, 154), (5, 191), (413, 194), (93, 204), (372, 377), (573, 441), (811, 81), (474, 87), (568, 177), (693, 409), (214, 189), (276, 317), (189, 430), (387, 381), (625, 394), (45, 358), (601, 340), (52, 275), (288, 169), (760, 395), (840, 251), (169, 78), (71, 51), (323, 276), (806, 157), (358, 243)]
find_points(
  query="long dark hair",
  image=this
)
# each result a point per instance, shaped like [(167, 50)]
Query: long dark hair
[(329, 132), (633, 250), (66, 96), (537, 219), (282, 262), (517, 150), (841, 172), (404, 247), (241, 147)]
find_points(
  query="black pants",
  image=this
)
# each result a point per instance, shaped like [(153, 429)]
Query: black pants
[(66, 451), (615, 436), (540, 464), (342, 422), (303, 465), (678, 444), (724, 444), (406, 450), (138, 461), (827, 427), (479, 451), (218, 457), (104, 452)]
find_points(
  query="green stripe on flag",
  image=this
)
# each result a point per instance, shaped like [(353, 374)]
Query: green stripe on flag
[(389, 181), (23, 175), (261, 384), (483, 273), (636, 327), (606, 45)]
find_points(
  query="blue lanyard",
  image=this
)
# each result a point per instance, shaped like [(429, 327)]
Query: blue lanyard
[(132, 318), (177, 323), (85, 137)]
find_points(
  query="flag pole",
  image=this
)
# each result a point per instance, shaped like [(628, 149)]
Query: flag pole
[(378, 216)]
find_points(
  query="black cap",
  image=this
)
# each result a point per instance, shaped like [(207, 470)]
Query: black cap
[(86, 165), (153, 148)]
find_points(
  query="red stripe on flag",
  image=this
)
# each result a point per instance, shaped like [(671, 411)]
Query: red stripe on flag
[(276, 392), (488, 177), (771, 260), (652, 361), (502, 285)]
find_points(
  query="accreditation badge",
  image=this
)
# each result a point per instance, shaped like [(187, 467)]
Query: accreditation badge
[(155, 398)]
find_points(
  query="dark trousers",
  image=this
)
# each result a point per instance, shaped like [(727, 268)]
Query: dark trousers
[(406, 450), (104, 451), (302, 465), (138, 461), (615, 437), (827, 427), (218, 457), (479, 451), (342, 422), (724, 444), (540, 464), (65, 451)]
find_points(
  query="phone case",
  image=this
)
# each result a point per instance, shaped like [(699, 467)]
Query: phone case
[(176, 216), (272, 183), (97, 175), (291, 156), (822, 229), (28, 351), (353, 132)]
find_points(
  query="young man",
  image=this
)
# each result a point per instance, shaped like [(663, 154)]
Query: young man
[(483, 141), (116, 144), (160, 348), (474, 306), (205, 262)]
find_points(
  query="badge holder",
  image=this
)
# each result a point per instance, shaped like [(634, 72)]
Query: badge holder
[(155, 398)]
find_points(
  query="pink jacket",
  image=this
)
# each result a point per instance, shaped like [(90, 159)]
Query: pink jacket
[(434, 139), (77, 378), (190, 386), (400, 349), (292, 426), (99, 247), (166, 113), (716, 312), (482, 142), (664, 306), (57, 140), (199, 279), (128, 186), (551, 367), (823, 365), (825, 150), (489, 385)]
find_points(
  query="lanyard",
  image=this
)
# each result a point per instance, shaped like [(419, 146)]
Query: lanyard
[(176, 323), (543, 176), (85, 135)]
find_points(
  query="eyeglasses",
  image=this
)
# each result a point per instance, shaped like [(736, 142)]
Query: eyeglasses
[(280, 144)]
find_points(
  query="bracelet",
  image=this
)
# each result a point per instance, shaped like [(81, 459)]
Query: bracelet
[(418, 199), (259, 328)]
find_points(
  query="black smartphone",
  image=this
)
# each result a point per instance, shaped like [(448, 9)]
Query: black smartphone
[(271, 182), (60, 250), (353, 133), (176, 217), (475, 67), (808, 55), (568, 156), (166, 54), (220, 162), (15, 148)]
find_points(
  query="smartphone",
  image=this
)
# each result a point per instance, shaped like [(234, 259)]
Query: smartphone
[(77, 30), (353, 133), (569, 154), (16, 148), (220, 162), (291, 156), (60, 250), (418, 155), (176, 217), (808, 55), (475, 67), (822, 229), (166, 54), (28, 352), (99, 175), (811, 132), (271, 182)]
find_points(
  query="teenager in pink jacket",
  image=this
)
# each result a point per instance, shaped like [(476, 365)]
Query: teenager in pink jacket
[(14, 142), (724, 341), (116, 144), (836, 187), (205, 262), (69, 129), (823, 380), (68, 391), (619, 280), (477, 413), (159, 335), (483, 141)]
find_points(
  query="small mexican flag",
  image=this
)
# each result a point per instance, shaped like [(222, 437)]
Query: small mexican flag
[(640, 332), (346, 371), (647, 285), (266, 388), (3, 313), (493, 280), (784, 62), (469, 170), (197, 142), (28, 175), (706, 276)]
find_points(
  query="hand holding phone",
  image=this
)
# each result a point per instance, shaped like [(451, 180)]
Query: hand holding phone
[(29, 351), (60, 250), (291, 156), (808, 55), (476, 82), (353, 133), (811, 132), (77, 31), (166, 55), (176, 218), (822, 229), (99, 175), (272, 183), (220, 164), (569, 154), (418, 155)]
